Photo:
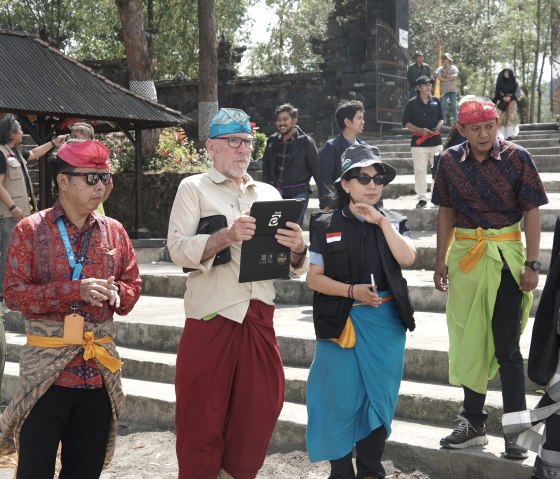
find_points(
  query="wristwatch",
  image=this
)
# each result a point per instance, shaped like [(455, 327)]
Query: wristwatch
[(534, 265)]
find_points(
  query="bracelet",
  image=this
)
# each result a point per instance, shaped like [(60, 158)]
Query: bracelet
[(351, 291), (303, 253), (13, 207), (52, 143)]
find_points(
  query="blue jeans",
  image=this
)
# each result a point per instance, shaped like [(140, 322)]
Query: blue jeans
[(304, 195), (6, 227), (450, 96)]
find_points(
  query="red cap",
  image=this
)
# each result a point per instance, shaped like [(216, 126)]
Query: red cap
[(85, 154), (477, 111)]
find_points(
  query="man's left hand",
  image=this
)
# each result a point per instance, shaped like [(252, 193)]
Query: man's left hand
[(291, 236), (529, 279)]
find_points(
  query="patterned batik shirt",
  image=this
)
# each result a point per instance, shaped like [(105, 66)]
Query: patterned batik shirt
[(38, 282)]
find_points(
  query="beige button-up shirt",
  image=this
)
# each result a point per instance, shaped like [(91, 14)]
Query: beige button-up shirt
[(216, 290)]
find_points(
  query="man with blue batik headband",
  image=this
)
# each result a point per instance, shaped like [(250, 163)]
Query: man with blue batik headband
[(229, 381)]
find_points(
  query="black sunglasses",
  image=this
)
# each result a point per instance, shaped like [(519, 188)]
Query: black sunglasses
[(91, 178), (364, 179)]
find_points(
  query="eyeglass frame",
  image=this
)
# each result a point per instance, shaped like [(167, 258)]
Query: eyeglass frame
[(377, 179), (241, 140), (99, 176)]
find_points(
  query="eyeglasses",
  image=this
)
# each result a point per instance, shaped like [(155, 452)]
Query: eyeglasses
[(91, 178), (235, 142), (364, 179)]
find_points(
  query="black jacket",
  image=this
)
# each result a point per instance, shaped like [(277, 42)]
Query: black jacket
[(343, 261), (330, 167), (300, 166), (543, 355)]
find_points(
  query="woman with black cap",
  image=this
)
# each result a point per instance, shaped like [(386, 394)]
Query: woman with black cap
[(361, 310)]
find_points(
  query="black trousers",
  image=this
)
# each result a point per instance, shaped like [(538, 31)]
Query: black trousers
[(368, 458), (80, 419), (506, 331)]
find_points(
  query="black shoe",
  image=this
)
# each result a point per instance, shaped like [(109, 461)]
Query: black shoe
[(513, 451), (421, 204), (465, 435)]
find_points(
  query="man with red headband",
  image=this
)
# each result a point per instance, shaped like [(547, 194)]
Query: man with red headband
[(68, 271), (484, 187)]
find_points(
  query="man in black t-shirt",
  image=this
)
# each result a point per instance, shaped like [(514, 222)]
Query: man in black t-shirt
[(424, 118)]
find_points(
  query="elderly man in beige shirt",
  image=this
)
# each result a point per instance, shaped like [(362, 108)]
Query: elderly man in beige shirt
[(229, 381)]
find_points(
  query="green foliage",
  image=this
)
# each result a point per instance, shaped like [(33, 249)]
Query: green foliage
[(85, 29), (259, 145), (175, 153), (289, 49), (483, 37)]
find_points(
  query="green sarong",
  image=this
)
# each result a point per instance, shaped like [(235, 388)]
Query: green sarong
[(470, 306)]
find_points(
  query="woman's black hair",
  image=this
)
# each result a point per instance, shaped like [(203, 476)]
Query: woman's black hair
[(57, 166), (8, 126)]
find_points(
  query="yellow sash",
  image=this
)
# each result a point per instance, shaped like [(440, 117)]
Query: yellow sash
[(476, 251), (91, 349), (347, 338)]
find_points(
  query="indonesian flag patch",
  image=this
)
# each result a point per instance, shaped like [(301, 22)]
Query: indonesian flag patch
[(332, 237)]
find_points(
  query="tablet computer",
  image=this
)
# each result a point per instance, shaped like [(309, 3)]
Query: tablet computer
[(262, 257)]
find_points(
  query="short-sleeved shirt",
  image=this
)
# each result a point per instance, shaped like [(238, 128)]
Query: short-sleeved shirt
[(446, 86), (423, 115), (493, 193)]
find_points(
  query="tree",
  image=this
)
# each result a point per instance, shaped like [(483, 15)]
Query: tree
[(208, 67), (289, 49)]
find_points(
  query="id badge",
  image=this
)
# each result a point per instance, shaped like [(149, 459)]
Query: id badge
[(73, 329)]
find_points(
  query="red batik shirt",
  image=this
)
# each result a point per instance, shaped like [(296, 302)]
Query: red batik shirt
[(38, 282)]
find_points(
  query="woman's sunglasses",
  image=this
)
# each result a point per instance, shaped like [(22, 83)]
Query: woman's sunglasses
[(364, 179), (91, 178)]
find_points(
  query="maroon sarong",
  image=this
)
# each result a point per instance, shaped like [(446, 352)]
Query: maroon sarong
[(230, 390)]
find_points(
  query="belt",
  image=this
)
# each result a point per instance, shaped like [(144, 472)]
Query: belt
[(90, 345), (475, 252)]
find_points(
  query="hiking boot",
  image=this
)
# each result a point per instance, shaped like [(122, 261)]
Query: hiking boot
[(513, 451), (465, 435)]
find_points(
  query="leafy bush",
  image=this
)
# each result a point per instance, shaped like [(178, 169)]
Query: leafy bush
[(175, 153), (260, 144)]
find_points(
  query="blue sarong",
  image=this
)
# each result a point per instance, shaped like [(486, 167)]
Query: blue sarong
[(352, 392)]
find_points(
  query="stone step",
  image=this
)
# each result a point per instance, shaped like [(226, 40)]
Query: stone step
[(424, 219), (418, 401), (545, 163), (153, 405), (168, 280), (148, 345)]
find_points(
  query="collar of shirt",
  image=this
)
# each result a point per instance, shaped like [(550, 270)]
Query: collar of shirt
[(218, 177), (93, 217), (494, 152)]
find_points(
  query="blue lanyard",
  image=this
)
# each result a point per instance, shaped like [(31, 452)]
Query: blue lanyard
[(75, 265)]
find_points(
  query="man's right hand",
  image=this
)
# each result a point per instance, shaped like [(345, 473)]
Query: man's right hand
[(242, 229), (440, 277)]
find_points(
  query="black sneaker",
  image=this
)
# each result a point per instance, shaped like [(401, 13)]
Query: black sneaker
[(421, 204), (465, 435), (513, 451)]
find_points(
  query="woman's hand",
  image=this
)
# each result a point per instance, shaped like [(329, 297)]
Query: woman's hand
[(367, 212), (364, 294)]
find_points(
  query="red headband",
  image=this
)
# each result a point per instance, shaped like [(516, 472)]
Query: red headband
[(85, 154), (477, 111)]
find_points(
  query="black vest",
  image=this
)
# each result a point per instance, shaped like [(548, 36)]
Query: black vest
[(343, 261)]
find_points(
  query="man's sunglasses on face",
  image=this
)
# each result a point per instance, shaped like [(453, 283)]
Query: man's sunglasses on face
[(364, 179), (235, 142), (91, 178)]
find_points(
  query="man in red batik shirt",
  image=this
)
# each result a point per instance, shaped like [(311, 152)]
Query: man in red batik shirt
[(68, 271)]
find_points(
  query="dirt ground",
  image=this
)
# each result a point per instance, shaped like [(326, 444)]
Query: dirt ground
[(151, 455)]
